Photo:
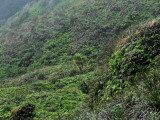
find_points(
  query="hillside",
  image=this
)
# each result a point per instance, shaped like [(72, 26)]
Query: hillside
[(9, 7), (133, 78), (74, 59)]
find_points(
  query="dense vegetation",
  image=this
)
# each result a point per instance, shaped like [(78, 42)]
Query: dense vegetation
[(74, 59)]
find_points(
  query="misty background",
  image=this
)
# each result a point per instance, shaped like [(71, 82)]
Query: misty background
[(9, 7)]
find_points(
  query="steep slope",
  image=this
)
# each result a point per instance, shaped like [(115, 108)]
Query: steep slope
[(36, 43), (58, 58), (35, 8), (133, 78)]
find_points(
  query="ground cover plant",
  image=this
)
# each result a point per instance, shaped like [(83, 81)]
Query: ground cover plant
[(80, 59)]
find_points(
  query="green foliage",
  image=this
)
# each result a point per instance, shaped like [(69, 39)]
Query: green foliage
[(80, 60), (133, 57), (23, 112), (44, 42), (39, 86), (119, 112), (84, 88), (52, 90), (152, 81), (55, 35), (35, 10)]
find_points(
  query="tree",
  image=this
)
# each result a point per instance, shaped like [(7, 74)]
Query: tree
[(80, 60)]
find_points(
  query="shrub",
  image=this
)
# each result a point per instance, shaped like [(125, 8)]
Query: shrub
[(41, 76), (84, 88), (22, 112), (80, 60)]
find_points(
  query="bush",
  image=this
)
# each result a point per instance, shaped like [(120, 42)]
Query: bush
[(84, 87), (22, 112)]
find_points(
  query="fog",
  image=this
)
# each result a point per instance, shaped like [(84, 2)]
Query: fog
[(10, 7)]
